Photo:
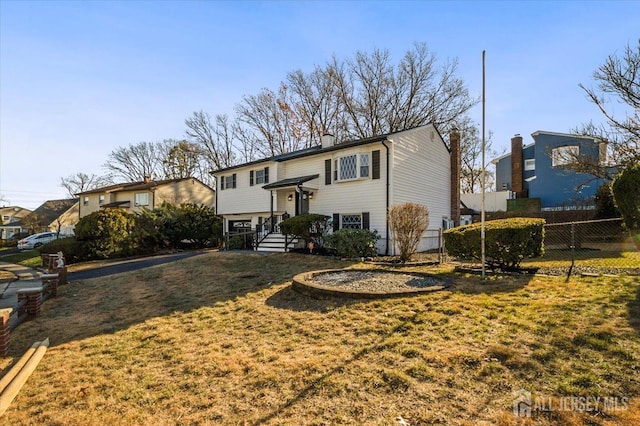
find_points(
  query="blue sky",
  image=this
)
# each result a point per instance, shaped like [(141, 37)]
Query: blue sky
[(79, 79)]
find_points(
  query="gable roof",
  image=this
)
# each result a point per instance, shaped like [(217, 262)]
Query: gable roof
[(318, 149), (50, 210), (136, 186)]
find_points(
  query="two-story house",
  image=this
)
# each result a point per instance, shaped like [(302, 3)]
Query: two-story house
[(10, 217), (543, 170), (148, 194), (353, 182)]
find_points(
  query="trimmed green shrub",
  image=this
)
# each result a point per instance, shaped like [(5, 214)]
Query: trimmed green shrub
[(353, 242), (507, 241), (73, 250), (308, 227), (106, 233), (626, 193)]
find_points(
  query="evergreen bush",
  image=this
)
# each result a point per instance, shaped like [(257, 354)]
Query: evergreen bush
[(352, 243), (507, 241)]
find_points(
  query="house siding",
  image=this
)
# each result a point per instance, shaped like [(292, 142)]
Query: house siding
[(244, 197), (178, 192), (555, 186), (421, 174)]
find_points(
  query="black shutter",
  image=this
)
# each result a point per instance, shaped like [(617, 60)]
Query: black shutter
[(234, 180), (266, 175), (365, 219), (221, 183), (251, 178), (336, 222), (327, 172), (375, 164)]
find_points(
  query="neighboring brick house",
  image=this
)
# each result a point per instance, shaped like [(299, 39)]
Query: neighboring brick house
[(354, 183), (147, 194), (540, 169)]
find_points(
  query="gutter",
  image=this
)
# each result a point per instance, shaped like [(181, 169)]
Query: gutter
[(386, 216)]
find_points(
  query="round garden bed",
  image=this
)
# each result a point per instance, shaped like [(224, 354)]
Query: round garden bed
[(367, 283)]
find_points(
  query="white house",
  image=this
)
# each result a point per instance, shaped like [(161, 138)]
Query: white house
[(353, 182)]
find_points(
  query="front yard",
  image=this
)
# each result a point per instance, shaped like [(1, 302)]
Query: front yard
[(222, 339)]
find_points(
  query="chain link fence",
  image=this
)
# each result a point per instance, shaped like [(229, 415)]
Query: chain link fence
[(580, 247), (590, 246)]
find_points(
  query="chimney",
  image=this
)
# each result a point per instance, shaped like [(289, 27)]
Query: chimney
[(147, 179), (516, 165), (328, 140), (454, 145)]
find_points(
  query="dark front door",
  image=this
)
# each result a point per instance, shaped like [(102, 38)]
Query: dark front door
[(302, 206)]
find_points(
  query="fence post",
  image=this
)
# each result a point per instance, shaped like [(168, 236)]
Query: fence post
[(441, 245), (572, 248)]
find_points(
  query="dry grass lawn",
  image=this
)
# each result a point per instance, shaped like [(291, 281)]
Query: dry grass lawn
[(221, 339)]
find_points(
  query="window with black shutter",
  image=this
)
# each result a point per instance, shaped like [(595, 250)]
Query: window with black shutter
[(336, 222), (365, 220), (375, 164), (251, 178), (327, 172)]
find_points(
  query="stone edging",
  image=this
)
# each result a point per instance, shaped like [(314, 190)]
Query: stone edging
[(301, 284)]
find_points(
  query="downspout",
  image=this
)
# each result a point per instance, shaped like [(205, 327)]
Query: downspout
[(386, 215)]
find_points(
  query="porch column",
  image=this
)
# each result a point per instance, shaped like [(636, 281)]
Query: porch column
[(271, 219)]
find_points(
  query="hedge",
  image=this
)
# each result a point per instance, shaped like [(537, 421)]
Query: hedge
[(507, 241), (308, 227)]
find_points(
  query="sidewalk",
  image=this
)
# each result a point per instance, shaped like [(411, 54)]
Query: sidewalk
[(25, 278)]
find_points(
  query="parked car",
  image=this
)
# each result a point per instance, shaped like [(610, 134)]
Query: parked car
[(36, 240)]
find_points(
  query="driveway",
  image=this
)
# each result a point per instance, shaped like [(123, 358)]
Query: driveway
[(121, 266)]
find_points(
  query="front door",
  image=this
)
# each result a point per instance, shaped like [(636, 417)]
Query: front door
[(302, 206)]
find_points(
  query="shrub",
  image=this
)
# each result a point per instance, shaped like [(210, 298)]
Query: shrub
[(507, 241), (626, 193), (353, 242), (308, 227), (106, 233), (605, 206), (73, 250), (408, 222), (172, 226)]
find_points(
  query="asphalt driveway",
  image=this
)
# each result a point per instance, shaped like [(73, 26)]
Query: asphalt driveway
[(121, 266)]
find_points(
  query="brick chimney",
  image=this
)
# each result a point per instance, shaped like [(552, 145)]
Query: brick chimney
[(454, 145), (517, 166)]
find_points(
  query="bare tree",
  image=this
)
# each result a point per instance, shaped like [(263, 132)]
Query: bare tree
[(618, 83), (215, 138), (359, 97), (316, 96), (135, 162), (380, 97), (471, 157), (275, 120), (180, 159), (80, 182)]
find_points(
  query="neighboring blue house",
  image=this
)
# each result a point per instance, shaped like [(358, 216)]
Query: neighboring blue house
[(540, 169)]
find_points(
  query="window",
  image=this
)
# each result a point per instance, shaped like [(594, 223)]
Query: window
[(101, 199), (530, 164), (353, 221), (85, 201), (351, 167), (5, 218), (564, 155), (142, 199), (259, 176), (364, 165), (228, 182)]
